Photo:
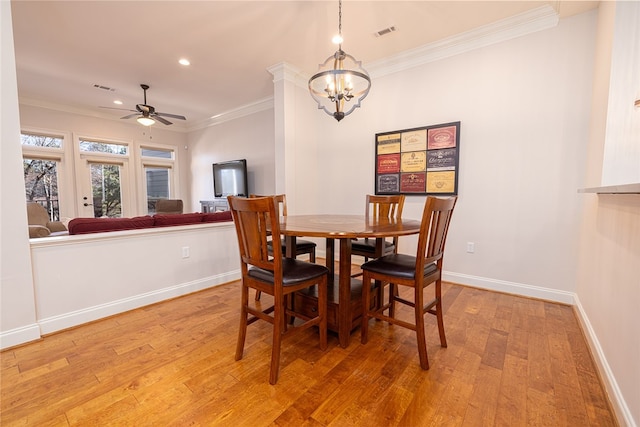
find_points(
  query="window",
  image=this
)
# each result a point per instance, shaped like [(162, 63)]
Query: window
[(78, 176), (158, 164), (103, 147), (42, 156), (41, 185), (103, 178)]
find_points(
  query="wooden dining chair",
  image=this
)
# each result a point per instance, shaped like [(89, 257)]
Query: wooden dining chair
[(378, 207), (275, 275), (416, 272), (302, 246)]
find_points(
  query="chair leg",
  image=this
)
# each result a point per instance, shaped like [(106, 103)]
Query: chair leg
[(366, 304), (322, 312), (379, 294), (258, 293), (420, 335), (242, 332), (278, 325), (393, 292), (312, 255), (439, 317)]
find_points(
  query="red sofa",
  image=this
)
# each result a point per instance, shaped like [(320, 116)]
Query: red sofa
[(102, 225)]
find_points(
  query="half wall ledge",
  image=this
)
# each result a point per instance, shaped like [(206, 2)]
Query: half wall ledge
[(613, 189)]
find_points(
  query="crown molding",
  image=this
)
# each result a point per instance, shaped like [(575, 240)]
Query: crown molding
[(538, 19), (176, 127), (244, 110)]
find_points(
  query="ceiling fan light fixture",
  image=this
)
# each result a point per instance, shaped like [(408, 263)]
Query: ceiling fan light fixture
[(145, 121)]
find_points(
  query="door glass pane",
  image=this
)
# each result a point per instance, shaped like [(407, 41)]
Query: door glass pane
[(105, 187), (157, 186), (41, 185)]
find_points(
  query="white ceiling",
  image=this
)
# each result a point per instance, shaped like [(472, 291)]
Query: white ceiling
[(64, 48)]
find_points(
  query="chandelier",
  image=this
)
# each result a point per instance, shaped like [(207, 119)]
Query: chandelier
[(341, 83)]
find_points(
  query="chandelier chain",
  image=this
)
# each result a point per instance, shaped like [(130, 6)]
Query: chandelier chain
[(340, 22), (341, 83)]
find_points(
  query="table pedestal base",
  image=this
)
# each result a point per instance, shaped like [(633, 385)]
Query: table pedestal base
[(306, 301)]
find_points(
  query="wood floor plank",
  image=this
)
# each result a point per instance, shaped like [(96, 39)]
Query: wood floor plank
[(510, 361), (483, 402)]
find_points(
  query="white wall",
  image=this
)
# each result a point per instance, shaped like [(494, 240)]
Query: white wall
[(524, 109), (81, 278), (17, 303), (249, 137), (608, 273)]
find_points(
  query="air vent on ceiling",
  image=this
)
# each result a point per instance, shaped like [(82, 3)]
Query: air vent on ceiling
[(110, 89), (385, 31)]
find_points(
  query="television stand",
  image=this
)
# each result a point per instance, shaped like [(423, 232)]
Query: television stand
[(216, 205)]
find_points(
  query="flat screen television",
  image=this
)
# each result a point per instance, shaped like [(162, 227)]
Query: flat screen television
[(230, 178)]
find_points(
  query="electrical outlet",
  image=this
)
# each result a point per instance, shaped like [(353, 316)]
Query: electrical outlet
[(471, 247), (185, 252)]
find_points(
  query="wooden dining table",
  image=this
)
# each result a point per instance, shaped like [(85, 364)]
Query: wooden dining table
[(347, 307)]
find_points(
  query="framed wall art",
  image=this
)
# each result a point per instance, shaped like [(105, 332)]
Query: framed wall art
[(419, 161)]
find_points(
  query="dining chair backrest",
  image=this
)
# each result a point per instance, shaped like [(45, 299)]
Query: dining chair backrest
[(256, 219), (281, 202), (384, 206), (434, 227)]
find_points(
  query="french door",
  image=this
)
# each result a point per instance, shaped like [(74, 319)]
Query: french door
[(103, 188)]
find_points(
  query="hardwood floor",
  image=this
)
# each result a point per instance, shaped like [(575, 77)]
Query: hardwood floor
[(511, 361)]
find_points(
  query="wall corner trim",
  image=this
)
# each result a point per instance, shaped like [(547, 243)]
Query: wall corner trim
[(620, 407)]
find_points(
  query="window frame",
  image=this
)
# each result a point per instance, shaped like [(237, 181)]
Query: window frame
[(71, 161), (156, 162), (63, 156)]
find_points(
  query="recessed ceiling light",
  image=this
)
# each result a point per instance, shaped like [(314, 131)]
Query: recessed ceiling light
[(117, 101), (184, 61), (337, 39)]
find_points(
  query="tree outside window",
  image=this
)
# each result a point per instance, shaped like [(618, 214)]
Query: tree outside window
[(41, 175)]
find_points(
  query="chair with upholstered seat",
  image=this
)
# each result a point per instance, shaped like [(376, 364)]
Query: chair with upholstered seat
[(302, 246), (40, 224), (378, 207), (169, 206), (255, 219), (416, 272)]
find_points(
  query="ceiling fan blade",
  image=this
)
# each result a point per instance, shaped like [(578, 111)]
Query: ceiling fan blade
[(174, 116), (130, 116), (115, 108), (160, 119)]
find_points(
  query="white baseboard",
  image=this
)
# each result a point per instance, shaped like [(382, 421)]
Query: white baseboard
[(19, 336), (90, 314), (623, 413), (511, 287)]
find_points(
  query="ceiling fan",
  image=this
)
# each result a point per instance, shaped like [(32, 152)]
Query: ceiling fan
[(147, 114)]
